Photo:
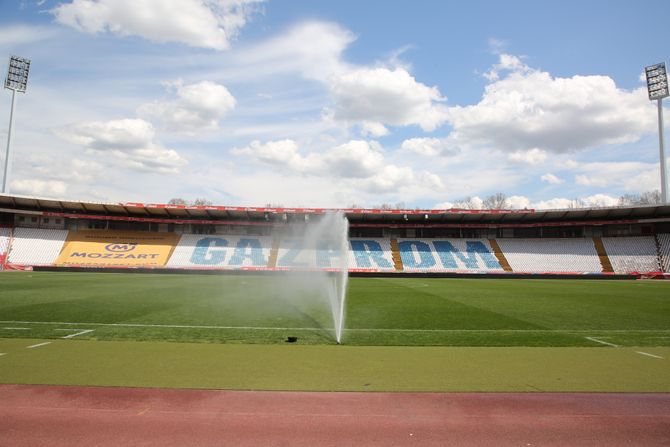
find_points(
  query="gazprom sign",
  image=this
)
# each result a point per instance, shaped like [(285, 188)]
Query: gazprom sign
[(657, 81)]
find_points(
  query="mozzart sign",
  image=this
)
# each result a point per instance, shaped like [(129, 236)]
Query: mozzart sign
[(104, 248)]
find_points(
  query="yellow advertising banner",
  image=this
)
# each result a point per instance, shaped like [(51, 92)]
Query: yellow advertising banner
[(117, 248)]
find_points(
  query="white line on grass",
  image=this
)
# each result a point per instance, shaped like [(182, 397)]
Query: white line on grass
[(649, 355), (262, 328), (38, 345), (86, 331), (601, 342), (16, 328), (2, 353)]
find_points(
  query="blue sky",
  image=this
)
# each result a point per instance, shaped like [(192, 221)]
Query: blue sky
[(335, 103)]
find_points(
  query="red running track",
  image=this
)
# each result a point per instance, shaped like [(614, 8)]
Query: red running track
[(88, 416)]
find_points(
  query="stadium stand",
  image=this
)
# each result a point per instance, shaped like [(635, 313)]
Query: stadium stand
[(664, 251), (550, 255), (448, 255), (294, 253), (36, 246), (371, 254), (102, 248), (220, 251), (632, 254)]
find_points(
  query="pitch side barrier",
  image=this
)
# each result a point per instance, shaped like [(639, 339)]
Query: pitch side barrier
[(353, 274)]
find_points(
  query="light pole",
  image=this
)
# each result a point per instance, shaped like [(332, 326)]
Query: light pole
[(16, 81), (657, 87)]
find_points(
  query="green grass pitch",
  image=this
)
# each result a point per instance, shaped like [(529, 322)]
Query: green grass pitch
[(229, 331), (264, 309)]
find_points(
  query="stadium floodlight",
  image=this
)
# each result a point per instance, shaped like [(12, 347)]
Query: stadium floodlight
[(657, 87), (16, 81)]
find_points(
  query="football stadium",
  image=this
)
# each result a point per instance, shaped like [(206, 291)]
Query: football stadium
[(326, 223), (213, 297)]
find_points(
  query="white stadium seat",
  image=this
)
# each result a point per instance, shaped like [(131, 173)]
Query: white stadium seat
[(36, 246), (551, 255), (220, 251), (5, 234), (41, 247), (632, 254), (448, 255), (371, 254)]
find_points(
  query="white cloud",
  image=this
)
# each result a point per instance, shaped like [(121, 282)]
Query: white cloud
[(585, 180), (555, 204), (595, 200), (360, 162), (519, 202), (389, 178), (15, 35), (423, 146), (38, 187), (354, 159), (630, 175), (477, 202), (523, 108), (199, 23), (497, 46), (129, 141), (312, 49), (523, 202), (551, 179), (532, 157), (372, 97), (65, 169), (283, 153), (600, 200), (198, 107), (431, 180), (372, 129), (389, 96), (443, 206), (507, 62)]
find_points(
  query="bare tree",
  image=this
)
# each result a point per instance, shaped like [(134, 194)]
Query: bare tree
[(201, 202), (628, 199), (177, 201), (390, 206), (651, 198), (577, 203), (646, 198), (468, 203), (497, 201)]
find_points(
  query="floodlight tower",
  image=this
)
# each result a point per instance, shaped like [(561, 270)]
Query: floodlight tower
[(657, 87), (16, 81)]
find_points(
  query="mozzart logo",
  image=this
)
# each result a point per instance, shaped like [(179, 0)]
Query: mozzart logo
[(121, 248), (116, 251)]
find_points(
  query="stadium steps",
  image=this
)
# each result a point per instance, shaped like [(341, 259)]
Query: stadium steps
[(274, 253), (602, 255), (664, 250), (500, 256), (5, 243), (659, 254), (4, 257), (395, 254)]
